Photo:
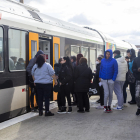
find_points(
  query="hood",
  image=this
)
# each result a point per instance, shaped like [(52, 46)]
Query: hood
[(121, 59), (111, 54), (38, 53)]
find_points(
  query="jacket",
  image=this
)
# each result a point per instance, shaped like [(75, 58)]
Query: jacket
[(96, 75), (44, 74), (109, 67), (136, 65), (32, 62), (83, 76), (57, 68), (122, 69), (66, 75)]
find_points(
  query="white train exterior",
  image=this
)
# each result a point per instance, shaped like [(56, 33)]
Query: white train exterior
[(23, 31)]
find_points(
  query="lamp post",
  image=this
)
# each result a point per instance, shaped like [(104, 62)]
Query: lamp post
[(22, 1)]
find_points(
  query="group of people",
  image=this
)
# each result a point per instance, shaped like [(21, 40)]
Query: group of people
[(73, 77)]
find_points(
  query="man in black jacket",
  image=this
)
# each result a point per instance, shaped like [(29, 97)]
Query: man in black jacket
[(136, 71)]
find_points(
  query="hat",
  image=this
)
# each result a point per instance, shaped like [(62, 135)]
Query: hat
[(117, 52)]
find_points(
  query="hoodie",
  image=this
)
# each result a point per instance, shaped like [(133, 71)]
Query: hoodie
[(122, 69), (109, 67), (32, 62)]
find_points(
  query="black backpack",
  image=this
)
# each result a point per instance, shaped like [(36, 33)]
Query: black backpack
[(130, 77)]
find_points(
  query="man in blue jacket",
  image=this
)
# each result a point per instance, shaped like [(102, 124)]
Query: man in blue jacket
[(107, 75)]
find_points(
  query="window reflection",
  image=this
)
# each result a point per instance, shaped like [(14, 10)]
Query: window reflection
[(17, 49)]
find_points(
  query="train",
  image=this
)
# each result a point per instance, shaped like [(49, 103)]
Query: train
[(24, 31)]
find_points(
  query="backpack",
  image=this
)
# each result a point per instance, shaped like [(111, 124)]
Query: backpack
[(130, 77)]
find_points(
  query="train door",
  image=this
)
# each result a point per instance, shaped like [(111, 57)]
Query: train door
[(33, 48), (56, 56)]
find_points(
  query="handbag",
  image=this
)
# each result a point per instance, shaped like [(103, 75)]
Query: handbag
[(56, 88), (94, 89), (130, 77)]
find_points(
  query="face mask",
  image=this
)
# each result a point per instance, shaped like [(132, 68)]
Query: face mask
[(97, 62)]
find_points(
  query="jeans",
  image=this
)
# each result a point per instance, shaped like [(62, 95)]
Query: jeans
[(83, 100), (65, 92), (124, 91), (133, 91), (44, 91)]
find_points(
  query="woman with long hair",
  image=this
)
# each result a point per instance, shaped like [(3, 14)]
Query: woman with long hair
[(66, 83), (43, 75), (78, 58)]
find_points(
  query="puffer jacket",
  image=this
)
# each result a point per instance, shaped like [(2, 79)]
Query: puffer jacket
[(122, 69), (109, 67)]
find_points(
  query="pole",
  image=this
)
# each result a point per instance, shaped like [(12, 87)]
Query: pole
[(22, 1)]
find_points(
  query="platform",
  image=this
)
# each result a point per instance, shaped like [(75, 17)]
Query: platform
[(95, 125)]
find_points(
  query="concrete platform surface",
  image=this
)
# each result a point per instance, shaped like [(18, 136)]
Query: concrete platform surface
[(95, 125)]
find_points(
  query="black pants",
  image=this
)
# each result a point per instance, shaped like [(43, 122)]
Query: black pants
[(44, 90), (59, 100), (65, 92), (124, 91), (133, 91), (101, 91), (83, 100), (33, 92)]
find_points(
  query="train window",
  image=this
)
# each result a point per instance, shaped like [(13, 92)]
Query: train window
[(84, 51), (34, 48), (1, 50), (92, 59), (74, 50), (17, 50), (56, 52)]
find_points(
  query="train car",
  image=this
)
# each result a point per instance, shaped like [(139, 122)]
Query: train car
[(23, 31)]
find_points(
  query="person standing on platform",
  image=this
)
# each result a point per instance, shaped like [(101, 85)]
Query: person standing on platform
[(43, 75), (100, 87), (107, 75), (66, 84), (125, 84), (31, 82), (136, 72), (120, 80), (57, 68), (132, 56), (83, 76)]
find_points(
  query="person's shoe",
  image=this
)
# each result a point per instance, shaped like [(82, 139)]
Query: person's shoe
[(109, 109), (62, 111), (70, 109), (132, 103), (33, 109), (49, 113), (124, 105), (100, 107), (117, 108), (80, 111), (87, 110), (138, 112), (105, 109), (40, 113)]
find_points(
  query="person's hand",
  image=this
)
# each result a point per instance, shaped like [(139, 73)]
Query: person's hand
[(56, 82), (60, 84), (100, 79)]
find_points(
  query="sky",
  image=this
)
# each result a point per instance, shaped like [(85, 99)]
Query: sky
[(117, 18)]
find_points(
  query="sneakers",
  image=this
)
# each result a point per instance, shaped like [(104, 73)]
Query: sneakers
[(49, 113), (40, 113), (117, 108), (124, 105), (100, 107), (69, 110), (138, 112), (105, 109), (131, 102), (62, 111), (109, 109), (115, 105)]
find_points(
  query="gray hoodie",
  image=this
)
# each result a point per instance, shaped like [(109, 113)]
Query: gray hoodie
[(32, 62)]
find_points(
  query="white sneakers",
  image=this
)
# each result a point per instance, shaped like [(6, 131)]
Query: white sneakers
[(100, 107), (118, 108)]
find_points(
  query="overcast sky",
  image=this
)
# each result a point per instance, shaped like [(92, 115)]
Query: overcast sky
[(118, 18)]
